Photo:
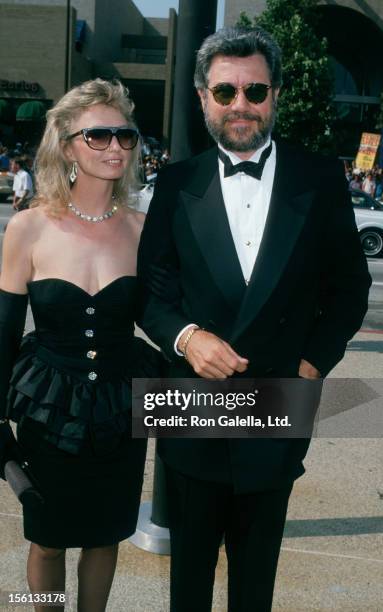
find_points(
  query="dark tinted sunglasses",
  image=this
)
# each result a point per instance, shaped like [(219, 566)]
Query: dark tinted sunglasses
[(225, 94), (99, 138)]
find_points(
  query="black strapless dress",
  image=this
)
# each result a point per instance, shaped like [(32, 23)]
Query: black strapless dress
[(70, 394)]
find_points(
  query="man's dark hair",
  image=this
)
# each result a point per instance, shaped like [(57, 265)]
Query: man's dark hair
[(238, 42), (18, 159)]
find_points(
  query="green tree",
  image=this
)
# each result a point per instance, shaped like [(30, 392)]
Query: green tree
[(305, 112), (244, 20)]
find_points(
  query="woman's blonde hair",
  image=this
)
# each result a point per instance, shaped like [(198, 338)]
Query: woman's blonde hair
[(52, 167)]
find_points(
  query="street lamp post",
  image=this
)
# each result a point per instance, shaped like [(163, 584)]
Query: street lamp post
[(67, 46), (196, 21)]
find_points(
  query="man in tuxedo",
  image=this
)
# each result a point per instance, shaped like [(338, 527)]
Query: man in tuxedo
[(263, 275)]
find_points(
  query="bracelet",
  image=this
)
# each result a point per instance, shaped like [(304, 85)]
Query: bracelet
[(187, 340)]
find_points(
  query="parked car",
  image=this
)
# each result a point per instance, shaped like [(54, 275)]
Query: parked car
[(369, 219)]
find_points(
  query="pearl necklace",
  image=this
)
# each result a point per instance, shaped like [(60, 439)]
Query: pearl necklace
[(84, 217)]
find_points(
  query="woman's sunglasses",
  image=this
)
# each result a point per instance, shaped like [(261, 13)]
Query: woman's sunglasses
[(225, 94), (99, 138)]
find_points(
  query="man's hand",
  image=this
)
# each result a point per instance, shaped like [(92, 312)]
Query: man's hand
[(211, 357), (306, 370)]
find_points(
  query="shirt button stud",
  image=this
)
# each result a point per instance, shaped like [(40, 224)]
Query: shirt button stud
[(91, 354), (89, 333), (92, 375), (248, 243), (90, 310)]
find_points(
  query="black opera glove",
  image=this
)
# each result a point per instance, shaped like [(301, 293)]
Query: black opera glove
[(164, 283), (13, 310)]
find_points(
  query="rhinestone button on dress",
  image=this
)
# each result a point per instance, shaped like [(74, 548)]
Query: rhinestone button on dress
[(91, 354), (89, 333), (90, 310), (92, 375)]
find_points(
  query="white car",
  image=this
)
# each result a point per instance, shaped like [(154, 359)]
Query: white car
[(144, 197), (369, 219)]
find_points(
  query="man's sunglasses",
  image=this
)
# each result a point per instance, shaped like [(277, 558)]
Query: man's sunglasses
[(99, 138), (225, 94)]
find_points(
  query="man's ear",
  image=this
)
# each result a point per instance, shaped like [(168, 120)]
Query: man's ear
[(276, 93), (202, 93)]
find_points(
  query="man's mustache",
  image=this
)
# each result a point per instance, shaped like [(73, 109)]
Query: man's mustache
[(237, 115)]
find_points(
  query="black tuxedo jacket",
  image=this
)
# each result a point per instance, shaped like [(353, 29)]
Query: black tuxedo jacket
[(306, 298)]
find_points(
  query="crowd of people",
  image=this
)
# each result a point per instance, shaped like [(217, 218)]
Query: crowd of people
[(153, 158), (24, 151), (371, 181)]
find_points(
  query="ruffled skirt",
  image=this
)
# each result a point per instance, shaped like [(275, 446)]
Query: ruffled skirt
[(54, 390)]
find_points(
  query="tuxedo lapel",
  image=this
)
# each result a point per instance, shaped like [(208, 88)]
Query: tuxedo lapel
[(287, 214), (205, 209)]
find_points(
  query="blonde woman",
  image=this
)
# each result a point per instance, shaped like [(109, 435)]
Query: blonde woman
[(69, 387)]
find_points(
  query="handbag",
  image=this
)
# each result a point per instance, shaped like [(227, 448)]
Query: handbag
[(15, 469)]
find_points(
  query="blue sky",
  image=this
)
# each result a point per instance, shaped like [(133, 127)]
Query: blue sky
[(160, 8)]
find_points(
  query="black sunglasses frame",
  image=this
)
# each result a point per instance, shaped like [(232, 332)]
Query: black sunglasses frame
[(113, 131), (214, 90)]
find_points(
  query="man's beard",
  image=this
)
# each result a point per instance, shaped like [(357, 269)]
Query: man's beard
[(241, 139)]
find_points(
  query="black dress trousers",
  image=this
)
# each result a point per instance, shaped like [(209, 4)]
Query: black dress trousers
[(201, 513)]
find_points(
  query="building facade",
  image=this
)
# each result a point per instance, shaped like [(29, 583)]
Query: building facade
[(354, 31), (49, 46)]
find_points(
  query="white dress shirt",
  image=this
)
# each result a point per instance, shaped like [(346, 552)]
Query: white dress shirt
[(247, 202)]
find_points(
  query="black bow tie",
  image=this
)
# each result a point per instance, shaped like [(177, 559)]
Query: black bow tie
[(253, 169)]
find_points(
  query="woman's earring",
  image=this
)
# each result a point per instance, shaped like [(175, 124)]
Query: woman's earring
[(73, 172)]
